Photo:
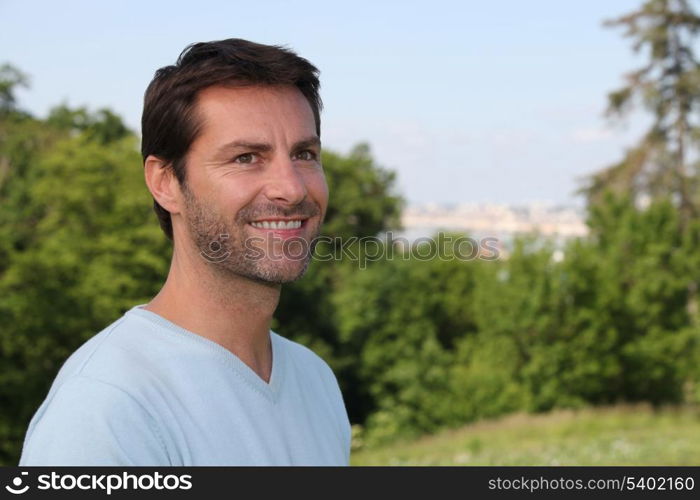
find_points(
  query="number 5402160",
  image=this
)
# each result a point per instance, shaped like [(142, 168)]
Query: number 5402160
[(660, 483)]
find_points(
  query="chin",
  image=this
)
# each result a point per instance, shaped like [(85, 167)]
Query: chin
[(278, 273)]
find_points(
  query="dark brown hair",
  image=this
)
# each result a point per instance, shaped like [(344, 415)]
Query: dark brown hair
[(169, 124)]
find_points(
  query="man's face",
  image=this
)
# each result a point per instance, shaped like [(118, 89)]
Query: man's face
[(255, 193)]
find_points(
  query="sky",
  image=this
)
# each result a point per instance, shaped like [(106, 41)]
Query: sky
[(467, 101)]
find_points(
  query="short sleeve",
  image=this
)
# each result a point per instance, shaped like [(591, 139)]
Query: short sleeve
[(88, 422)]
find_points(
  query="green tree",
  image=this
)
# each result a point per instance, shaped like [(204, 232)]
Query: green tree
[(10, 79), (644, 211), (102, 126), (665, 161), (402, 318)]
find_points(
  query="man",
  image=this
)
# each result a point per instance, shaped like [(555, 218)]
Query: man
[(231, 148)]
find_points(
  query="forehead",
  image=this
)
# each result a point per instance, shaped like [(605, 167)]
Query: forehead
[(254, 110)]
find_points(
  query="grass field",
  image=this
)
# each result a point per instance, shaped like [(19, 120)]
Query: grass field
[(622, 435)]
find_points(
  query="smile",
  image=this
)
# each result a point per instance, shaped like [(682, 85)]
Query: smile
[(277, 224)]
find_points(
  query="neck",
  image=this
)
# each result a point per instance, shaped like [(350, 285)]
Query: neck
[(232, 311)]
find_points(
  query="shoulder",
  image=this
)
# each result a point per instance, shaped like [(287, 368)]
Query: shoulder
[(304, 358), (98, 407), (128, 354), (86, 421)]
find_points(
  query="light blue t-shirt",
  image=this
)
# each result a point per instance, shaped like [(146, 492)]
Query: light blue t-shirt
[(145, 391)]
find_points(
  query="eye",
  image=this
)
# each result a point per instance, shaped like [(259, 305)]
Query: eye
[(245, 158), (306, 155)]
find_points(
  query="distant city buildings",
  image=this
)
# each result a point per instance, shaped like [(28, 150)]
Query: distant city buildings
[(504, 222)]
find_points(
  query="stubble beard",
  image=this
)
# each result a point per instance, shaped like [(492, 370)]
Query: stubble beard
[(222, 246)]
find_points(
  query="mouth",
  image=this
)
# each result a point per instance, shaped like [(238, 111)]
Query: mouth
[(279, 224)]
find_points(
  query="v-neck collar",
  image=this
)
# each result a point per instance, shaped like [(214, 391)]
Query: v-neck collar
[(269, 390)]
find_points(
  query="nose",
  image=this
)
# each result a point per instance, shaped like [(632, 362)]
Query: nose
[(285, 184)]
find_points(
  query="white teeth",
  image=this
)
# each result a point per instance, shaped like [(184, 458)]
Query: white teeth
[(292, 224)]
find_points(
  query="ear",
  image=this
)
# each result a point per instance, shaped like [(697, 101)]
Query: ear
[(162, 184)]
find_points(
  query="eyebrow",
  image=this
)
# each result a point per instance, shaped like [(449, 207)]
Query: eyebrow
[(264, 147), (311, 142)]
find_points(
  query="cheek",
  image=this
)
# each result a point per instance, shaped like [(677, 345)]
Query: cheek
[(234, 195), (317, 187)]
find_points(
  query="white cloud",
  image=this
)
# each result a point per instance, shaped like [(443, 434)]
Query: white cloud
[(591, 134)]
